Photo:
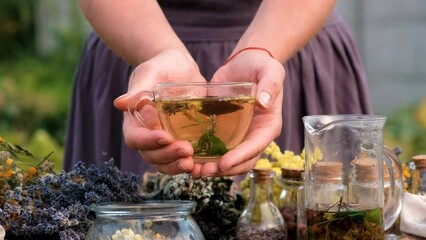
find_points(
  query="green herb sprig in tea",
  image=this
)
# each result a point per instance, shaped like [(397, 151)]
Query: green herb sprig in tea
[(208, 143), (212, 124)]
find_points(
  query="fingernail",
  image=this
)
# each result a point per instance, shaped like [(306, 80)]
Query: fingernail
[(265, 99), (181, 167), (117, 101), (163, 141), (223, 169), (182, 153), (120, 97)]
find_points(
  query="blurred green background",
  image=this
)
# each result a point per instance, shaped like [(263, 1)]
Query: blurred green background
[(40, 43)]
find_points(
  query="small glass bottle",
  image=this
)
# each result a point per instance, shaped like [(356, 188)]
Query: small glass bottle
[(290, 201), (365, 184), (419, 175), (261, 218), (325, 198), (326, 186)]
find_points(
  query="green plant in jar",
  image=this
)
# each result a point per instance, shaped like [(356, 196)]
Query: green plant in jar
[(343, 221)]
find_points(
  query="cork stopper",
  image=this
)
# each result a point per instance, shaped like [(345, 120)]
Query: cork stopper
[(327, 172), (419, 161), (295, 174), (262, 175), (365, 170)]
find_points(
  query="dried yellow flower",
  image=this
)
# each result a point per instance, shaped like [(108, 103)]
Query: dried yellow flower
[(9, 162), (9, 173), (32, 170)]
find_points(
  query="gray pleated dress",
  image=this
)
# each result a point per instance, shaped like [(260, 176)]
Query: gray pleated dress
[(325, 77)]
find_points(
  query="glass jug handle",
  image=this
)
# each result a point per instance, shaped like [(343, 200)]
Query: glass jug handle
[(394, 196)]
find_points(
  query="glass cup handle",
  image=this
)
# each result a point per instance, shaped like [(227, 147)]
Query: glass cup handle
[(136, 105), (393, 206)]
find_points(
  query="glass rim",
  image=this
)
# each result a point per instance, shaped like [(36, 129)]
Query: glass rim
[(146, 207), (347, 117), (208, 84)]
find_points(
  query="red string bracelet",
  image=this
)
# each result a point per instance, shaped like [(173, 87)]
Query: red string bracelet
[(245, 49)]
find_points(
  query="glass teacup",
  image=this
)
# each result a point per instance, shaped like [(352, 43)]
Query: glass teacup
[(213, 117)]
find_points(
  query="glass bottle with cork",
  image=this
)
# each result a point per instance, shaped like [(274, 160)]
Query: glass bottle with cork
[(327, 185), (261, 218), (291, 203), (419, 175), (364, 185)]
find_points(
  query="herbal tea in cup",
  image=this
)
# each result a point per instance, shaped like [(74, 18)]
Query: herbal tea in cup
[(213, 117)]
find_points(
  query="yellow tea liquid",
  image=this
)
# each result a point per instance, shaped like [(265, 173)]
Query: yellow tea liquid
[(213, 125)]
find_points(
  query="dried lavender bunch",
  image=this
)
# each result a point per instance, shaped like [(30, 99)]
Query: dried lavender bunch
[(217, 210), (57, 205)]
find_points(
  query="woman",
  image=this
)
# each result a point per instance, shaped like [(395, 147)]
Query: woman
[(189, 40)]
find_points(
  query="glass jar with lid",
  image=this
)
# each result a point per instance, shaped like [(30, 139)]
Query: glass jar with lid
[(160, 220)]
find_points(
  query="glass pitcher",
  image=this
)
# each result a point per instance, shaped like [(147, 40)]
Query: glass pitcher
[(353, 183)]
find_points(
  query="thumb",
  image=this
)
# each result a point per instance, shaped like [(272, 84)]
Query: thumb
[(122, 102), (270, 85), (142, 77)]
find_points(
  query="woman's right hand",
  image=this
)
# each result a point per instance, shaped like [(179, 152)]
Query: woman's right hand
[(155, 145)]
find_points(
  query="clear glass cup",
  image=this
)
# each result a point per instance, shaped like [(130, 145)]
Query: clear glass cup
[(160, 220), (213, 117)]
